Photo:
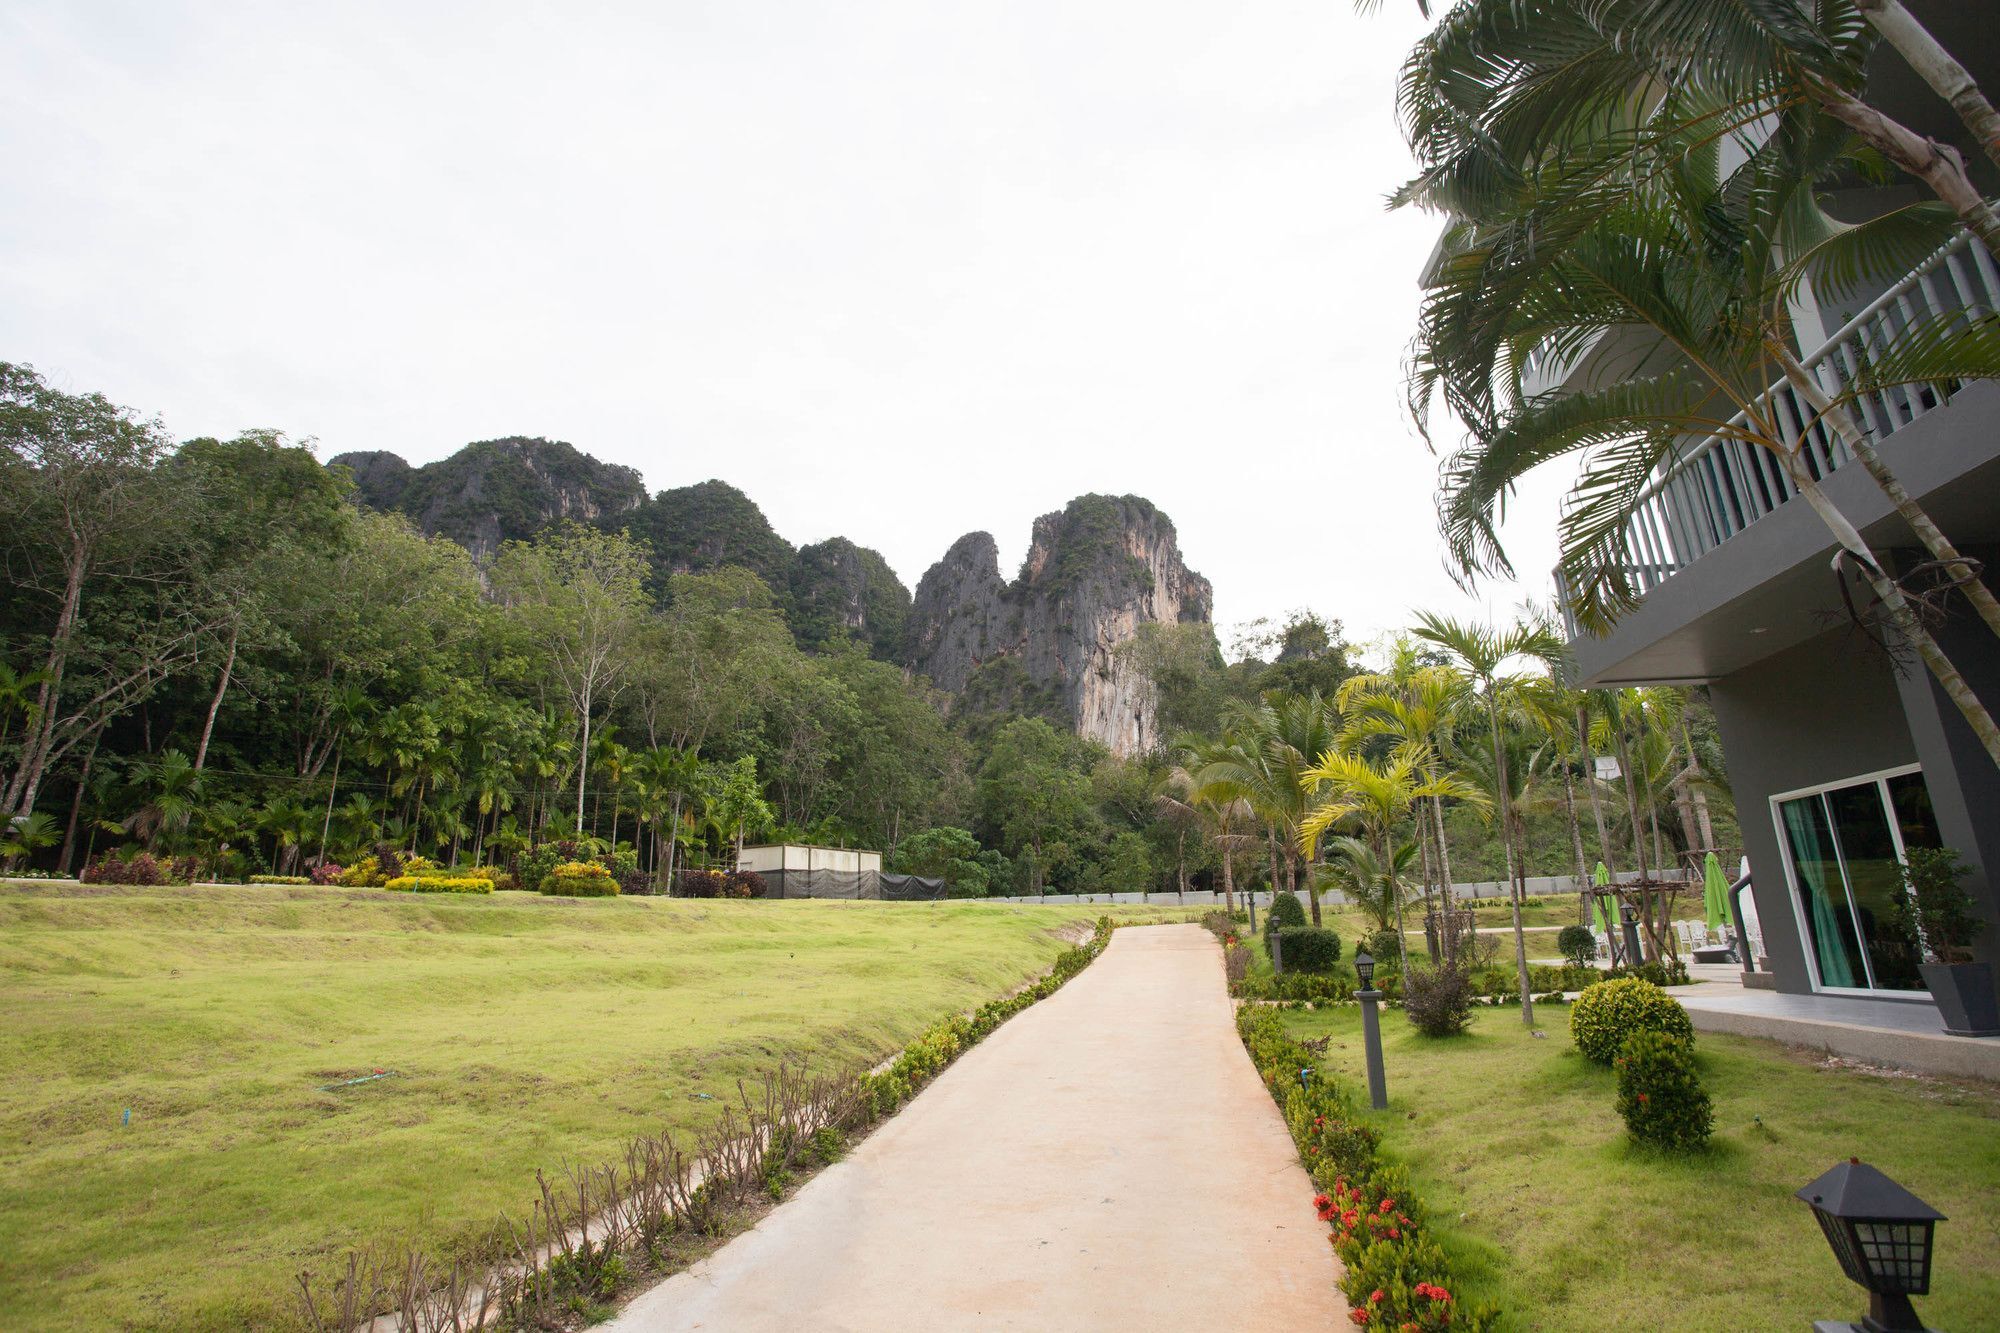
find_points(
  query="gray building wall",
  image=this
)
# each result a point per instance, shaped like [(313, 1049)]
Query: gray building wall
[(1822, 711)]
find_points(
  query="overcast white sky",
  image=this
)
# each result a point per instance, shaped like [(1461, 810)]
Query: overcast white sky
[(898, 270)]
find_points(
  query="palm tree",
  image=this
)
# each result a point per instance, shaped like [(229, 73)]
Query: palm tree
[(1500, 83), (1697, 267), (1271, 745), (1370, 883), (1209, 776), (671, 779), (172, 792), (1485, 655), (25, 836), (1378, 796), (1417, 710)]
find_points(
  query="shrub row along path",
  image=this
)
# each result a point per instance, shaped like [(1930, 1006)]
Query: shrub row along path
[(1106, 1159)]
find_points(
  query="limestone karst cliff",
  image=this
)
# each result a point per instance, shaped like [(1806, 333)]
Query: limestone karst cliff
[(1095, 572)]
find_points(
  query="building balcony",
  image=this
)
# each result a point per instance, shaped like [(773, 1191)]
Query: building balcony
[(1729, 569)]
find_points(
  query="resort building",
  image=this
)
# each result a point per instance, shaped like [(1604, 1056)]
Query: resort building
[(1842, 752)]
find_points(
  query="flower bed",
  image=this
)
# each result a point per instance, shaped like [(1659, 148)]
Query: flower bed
[(1397, 1278), (440, 884)]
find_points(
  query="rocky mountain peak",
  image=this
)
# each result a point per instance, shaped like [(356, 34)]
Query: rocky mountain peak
[(1096, 570)]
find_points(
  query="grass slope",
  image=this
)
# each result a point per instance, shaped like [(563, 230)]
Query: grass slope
[(1515, 1146), (523, 1031)]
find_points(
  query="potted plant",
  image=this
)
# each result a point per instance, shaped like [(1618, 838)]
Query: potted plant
[(1939, 916)]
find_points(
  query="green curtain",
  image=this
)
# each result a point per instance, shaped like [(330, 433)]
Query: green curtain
[(1814, 858)]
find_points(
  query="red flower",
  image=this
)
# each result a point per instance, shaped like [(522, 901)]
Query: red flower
[(1387, 1204), (1642, 1096), (1395, 1234), (1358, 1316), (1375, 1296)]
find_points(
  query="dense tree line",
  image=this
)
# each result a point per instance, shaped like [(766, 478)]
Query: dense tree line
[(208, 650)]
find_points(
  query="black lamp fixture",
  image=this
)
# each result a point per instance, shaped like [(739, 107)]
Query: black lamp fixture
[(1882, 1235), (1364, 967)]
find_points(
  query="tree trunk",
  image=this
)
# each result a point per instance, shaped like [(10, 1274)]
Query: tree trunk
[(215, 704), (1576, 846), (1936, 67), (1590, 787), (76, 807), (1638, 833), (326, 822), (1935, 164), (27, 779), (1228, 877), (1898, 608), (583, 763), (1500, 785)]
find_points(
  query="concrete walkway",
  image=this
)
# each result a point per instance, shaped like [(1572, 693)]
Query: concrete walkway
[(1902, 1033), (1107, 1159)]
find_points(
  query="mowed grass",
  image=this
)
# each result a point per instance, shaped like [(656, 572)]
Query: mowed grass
[(1515, 1146), (522, 1032)]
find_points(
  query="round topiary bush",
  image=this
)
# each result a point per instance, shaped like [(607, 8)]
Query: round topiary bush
[(1606, 1014), (1660, 1093), (1577, 944), (1286, 910)]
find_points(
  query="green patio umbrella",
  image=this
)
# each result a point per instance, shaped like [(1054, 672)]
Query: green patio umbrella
[(1714, 892), (1606, 916)]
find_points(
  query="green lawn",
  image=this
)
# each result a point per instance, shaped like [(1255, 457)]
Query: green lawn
[(1516, 1148), (522, 1031)]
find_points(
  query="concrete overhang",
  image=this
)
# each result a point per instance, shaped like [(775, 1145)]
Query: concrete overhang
[(1772, 586)]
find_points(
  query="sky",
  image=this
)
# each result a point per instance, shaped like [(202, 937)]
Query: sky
[(899, 271)]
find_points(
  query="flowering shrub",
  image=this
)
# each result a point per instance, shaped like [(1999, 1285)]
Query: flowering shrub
[(1660, 1093), (580, 879), (326, 872), (139, 868), (702, 884), (440, 884), (1396, 1276), (1608, 1013)]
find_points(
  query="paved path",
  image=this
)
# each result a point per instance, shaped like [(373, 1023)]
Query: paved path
[(1107, 1159)]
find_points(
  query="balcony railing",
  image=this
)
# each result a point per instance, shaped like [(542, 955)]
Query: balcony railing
[(1715, 486)]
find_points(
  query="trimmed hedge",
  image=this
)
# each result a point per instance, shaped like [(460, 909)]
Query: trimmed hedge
[(1609, 1013), (280, 879), (1660, 1093), (1396, 1275), (1308, 948), (580, 879), (439, 884), (1286, 911)]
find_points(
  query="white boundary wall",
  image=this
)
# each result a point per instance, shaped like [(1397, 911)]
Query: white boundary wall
[(1538, 886)]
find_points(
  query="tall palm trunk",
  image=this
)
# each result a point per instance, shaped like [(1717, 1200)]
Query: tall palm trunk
[(1936, 67), (1894, 602), (1651, 940), (1576, 846), (1500, 789), (1447, 899), (326, 820)]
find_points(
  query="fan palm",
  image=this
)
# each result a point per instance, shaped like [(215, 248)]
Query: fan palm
[(25, 836), (171, 790)]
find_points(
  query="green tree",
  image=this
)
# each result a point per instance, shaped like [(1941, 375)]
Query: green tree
[(1034, 792), (582, 593)]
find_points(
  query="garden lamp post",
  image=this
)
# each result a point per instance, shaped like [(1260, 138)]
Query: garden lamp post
[(1371, 1030), (1882, 1234)]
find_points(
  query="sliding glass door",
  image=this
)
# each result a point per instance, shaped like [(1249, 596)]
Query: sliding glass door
[(1843, 843)]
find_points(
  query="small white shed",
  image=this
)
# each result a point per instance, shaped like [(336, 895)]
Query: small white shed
[(796, 856)]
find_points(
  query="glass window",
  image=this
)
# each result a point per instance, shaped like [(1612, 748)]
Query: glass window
[(1829, 923), (1868, 855), (1915, 819)]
